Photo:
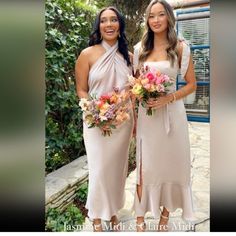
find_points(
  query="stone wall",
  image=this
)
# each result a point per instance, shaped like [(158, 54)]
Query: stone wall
[(62, 184)]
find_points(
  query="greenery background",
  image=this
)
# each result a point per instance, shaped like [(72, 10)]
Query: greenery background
[(68, 25)]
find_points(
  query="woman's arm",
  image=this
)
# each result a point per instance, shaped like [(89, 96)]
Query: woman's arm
[(189, 78), (81, 74)]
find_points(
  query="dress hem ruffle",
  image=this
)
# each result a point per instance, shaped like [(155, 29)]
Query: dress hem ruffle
[(169, 195)]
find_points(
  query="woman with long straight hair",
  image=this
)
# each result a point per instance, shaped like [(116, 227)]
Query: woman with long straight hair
[(102, 66), (163, 148)]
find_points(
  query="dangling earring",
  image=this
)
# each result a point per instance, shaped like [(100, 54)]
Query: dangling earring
[(119, 35), (101, 37)]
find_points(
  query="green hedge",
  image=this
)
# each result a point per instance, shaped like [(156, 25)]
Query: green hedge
[(69, 220), (68, 24)]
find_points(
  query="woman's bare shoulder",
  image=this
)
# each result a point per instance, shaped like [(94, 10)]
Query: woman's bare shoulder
[(90, 50), (90, 54)]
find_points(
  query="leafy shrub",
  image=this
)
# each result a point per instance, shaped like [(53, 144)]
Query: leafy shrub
[(82, 193), (68, 25), (57, 221), (132, 156)]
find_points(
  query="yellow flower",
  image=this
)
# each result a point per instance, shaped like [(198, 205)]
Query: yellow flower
[(114, 98), (137, 89), (122, 117), (104, 108), (152, 88), (88, 119)]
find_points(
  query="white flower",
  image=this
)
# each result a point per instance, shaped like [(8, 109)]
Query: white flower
[(131, 79), (102, 118), (84, 103)]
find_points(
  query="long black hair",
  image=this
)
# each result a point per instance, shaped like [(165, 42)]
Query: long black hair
[(95, 37)]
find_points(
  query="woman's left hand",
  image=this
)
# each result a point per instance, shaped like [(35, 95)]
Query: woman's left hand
[(159, 102)]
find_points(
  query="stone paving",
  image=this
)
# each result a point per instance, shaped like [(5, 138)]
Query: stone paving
[(200, 176)]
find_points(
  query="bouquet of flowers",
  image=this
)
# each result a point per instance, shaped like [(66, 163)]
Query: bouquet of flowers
[(107, 111), (151, 84)]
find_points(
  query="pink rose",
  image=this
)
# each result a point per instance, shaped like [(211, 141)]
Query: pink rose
[(147, 86), (162, 79), (158, 81), (166, 78), (160, 88), (100, 103), (150, 76)]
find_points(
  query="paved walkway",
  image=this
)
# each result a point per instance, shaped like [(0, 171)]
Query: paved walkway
[(200, 162)]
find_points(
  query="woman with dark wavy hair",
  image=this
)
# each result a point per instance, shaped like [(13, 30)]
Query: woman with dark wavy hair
[(102, 66), (163, 149)]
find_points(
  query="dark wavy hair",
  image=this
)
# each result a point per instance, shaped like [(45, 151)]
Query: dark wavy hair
[(95, 37)]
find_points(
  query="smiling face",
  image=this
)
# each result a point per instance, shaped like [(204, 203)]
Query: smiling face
[(109, 25), (157, 18)]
